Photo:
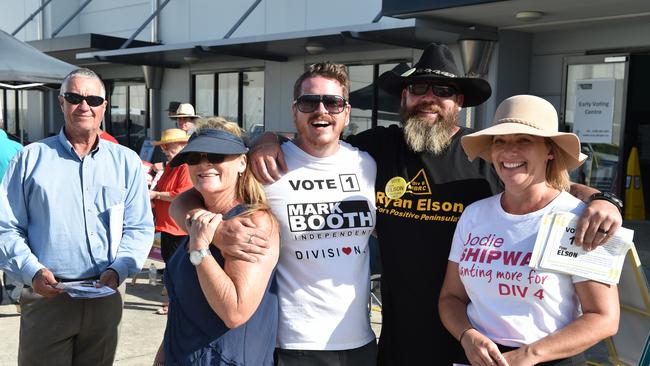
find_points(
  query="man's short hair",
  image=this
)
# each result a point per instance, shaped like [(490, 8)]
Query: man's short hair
[(338, 72), (81, 73)]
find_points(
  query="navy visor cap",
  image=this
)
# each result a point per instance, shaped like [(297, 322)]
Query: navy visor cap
[(210, 141)]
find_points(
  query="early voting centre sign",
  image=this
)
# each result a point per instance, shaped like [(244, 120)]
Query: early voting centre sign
[(594, 110)]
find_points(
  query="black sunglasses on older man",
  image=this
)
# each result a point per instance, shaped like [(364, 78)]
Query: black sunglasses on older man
[(91, 100), (195, 158), (308, 103), (442, 91)]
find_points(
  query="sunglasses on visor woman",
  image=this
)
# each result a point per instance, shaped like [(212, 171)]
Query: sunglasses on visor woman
[(91, 100), (308, 103), (442, 91), (195, 158)]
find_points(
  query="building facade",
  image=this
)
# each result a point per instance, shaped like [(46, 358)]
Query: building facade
[(590, 58)]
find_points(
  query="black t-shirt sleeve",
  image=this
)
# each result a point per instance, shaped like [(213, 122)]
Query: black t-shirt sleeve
[(491, 177), (375, 140), (365, 140)]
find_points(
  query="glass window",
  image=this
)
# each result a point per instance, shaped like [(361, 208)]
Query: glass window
[(388, 109), (601, 169), (31, 119), (2, 109), (239, 97), (10, 123), (371, 106), (204, 95), (361, 99), (228, 96), (118, 114), (253, 103), (137, 115)]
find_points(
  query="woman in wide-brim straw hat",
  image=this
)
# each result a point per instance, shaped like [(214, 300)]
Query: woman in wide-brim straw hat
[(172, 182), (532, 317)]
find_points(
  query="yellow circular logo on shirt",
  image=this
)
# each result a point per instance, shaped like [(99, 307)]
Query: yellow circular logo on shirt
[(396, 187)]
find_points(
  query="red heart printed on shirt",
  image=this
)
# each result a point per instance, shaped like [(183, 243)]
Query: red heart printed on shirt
[(347, 250)]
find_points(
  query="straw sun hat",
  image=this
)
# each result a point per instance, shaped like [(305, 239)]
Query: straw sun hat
[(524, 114), (171, 135)]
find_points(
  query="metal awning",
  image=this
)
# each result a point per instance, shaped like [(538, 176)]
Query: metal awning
[(66, 48), (409, 33)]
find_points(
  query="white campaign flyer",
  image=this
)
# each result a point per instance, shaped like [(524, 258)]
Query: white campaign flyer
[(555, 250)]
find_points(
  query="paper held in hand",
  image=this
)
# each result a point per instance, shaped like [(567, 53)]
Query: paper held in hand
[(555, 250), (85, 289)]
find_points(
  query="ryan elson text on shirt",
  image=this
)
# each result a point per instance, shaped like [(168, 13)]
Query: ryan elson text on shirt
[(425, 209)]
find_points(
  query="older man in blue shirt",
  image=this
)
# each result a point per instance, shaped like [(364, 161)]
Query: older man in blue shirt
[(73, 207)]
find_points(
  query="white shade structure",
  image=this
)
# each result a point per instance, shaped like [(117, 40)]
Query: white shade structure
[(22, 64)]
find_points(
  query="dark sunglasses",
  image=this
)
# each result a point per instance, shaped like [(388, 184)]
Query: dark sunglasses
[(442, 91), (195, 158), (91, 100), (308, 103)]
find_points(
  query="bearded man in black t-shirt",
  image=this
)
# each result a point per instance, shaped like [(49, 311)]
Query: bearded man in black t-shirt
[(424, 181)]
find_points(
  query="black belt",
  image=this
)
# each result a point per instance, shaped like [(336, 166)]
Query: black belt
[(59, 279)]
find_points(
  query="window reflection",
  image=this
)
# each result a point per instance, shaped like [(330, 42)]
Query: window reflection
[(204, 94), (228, 101), (371, 106), (253, 85), (239, 97)]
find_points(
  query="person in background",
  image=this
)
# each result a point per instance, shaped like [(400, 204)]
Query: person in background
[(185, 117), (107, 136), (551, 318), (171, 108), (73, 207), (424, 181), (8, 149), (158, 160), (174, 180), (222, 310)]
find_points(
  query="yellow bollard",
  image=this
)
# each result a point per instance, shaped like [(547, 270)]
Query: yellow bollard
[(634, 205)]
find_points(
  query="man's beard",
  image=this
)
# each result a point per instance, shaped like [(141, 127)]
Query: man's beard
[(423, 135)]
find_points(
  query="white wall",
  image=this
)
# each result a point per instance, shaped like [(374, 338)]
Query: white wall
[(550, 48), (186, 20), (14, 13)]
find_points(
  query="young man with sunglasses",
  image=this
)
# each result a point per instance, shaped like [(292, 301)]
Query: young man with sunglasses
[(73, 207), (325, 207), (424, 180)]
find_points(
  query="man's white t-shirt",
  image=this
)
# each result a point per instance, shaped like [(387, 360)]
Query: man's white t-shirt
[(511, 303), (326, 210)]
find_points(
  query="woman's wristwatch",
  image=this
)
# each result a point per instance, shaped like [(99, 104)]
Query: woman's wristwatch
[(609, 197)]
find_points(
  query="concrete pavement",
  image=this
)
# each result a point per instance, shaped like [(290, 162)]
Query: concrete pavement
[(142, 329)]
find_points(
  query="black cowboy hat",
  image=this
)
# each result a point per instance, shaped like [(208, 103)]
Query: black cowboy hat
[(437, 65), (173, 106)]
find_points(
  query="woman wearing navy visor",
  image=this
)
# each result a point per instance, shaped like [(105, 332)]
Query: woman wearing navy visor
[(223, 311)]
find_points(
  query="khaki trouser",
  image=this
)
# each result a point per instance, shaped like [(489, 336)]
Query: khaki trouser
[(67, 331)]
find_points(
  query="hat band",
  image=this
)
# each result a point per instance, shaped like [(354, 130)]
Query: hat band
[(520, 121), (418, 72)]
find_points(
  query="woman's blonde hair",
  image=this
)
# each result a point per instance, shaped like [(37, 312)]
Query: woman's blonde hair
[(248, 189), (557, 175)]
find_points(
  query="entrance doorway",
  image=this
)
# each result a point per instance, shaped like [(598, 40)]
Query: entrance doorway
[(593, 106)]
